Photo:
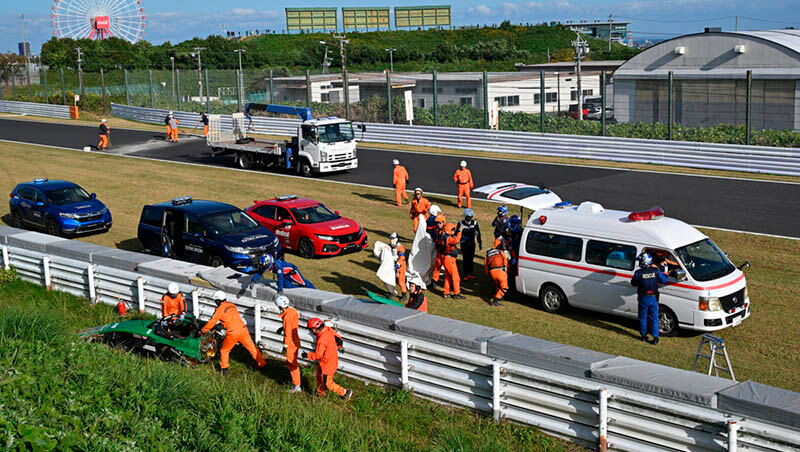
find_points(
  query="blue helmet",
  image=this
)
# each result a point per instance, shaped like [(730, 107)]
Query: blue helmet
[(502, 210), (266, 260), (468, 212), (515, 220), (644, 259)]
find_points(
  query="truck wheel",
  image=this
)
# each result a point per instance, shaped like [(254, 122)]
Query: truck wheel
[(305, 248), (667, 321), (553, 299), (305, 168), (244, 160)]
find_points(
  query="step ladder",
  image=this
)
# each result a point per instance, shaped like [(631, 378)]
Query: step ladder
[(717, 348)]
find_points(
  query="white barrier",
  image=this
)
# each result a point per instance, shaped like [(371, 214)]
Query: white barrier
[(35, 109)]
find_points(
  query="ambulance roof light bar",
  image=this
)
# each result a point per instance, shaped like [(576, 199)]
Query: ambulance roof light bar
[(654, 213)]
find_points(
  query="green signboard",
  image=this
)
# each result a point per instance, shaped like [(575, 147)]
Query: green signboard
[(365, 18), (422, 16), (311, 19)]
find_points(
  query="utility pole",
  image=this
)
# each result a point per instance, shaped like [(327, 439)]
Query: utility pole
[(391, 59), (196, 53), (80, 73), (326, 63), (737, 23), (581, 49), (240, 78), (222, 28), (342, 41), (27, 56), (610, 21)]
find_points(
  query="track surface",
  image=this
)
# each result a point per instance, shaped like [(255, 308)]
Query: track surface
[(745, 205)]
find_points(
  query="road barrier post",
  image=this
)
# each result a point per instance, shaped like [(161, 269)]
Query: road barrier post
[(47, 274), (90, 269), (496, 409), (140, 293), (389, 95), (435, 100), (257, 325), (195, 304), (404, 364), (603, 401), (6, 262)]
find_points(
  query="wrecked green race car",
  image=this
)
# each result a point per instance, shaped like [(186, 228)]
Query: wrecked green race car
[(171, 338)]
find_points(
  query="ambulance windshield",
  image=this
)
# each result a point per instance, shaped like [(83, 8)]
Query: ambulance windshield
[(704, 260)]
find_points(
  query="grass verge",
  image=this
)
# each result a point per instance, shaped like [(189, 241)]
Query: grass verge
[(60, 393), (764, 348)]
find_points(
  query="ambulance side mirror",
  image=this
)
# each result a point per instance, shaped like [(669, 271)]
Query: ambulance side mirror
[(680, 274)]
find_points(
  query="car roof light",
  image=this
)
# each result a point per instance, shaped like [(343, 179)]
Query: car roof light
[(286, 197), (182, 201), (654, 213), (40, 180), (542, 219)]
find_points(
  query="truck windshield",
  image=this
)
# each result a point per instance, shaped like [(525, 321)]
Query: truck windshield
[(332, 133), (230, 222), (704, 260), (313, 214), (67, 195)]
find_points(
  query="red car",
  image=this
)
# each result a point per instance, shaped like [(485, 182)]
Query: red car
[(308, 226)]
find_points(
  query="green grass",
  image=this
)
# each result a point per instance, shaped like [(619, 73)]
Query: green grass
[(125, 185), (59, 393)]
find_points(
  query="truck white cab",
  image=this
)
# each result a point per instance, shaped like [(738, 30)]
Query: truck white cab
[(584, 256)]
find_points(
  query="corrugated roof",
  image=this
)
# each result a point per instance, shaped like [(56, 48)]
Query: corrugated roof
[(787, 38)]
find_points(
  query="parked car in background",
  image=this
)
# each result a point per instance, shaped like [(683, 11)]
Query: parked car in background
[(206, 232), (308, 226), (589, 104), (58, 207)]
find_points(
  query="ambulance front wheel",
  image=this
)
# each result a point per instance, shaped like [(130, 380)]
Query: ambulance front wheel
[(667, 321), (553, 299)]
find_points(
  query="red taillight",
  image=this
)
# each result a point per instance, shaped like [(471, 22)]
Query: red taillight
[(11, 195), (652, 214), (542, 219)]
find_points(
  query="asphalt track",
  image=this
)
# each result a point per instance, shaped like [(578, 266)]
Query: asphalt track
[(728, 203)]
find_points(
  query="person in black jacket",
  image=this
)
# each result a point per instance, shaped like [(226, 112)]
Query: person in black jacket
[(470, 231)]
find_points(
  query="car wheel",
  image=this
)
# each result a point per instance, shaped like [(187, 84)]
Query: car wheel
[(245, 160), (16, 220), (305, 248), (553, 299), (215, 261), (667, 321), (53, 229), (305, 168)]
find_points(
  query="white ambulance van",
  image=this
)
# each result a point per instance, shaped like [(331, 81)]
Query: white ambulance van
[(584, 256)]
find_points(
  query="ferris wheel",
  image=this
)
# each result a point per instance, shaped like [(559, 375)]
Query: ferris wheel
[(98, 19)]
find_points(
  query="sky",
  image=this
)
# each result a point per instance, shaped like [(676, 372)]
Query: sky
[(178, 20)]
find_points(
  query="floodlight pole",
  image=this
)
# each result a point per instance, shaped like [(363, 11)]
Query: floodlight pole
[(391, 59), (581, 48), (197, 51), (326, 63), (342, 41), (240, 79), (27, 57)]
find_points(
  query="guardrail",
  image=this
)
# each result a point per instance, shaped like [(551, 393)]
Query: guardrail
[(35, 109), (753, 159), (564, 391)]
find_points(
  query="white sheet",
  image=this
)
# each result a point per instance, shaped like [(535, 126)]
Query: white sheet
[(386, 270), (422, 254)]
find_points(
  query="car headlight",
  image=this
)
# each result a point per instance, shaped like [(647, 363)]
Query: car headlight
[(323, 156), (325, 237), (709, 304), (236, 249), (104, 211), (68, 215)]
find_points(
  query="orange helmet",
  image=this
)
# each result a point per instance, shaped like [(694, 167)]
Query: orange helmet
[(314, 322), (450, 229), (439, 219)]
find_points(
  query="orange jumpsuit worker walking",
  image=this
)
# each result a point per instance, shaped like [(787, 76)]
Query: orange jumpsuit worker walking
[(400, 264), (497, 268), (419, 206), (204, 120), (399, 180), (463, 179), (173, 124), (172, 303), (169, 129), (237, 332), (291, 339), (439, 245), (104, 131), (451, 279), (327, 353)]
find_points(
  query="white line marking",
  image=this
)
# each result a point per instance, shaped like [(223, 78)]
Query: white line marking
[(331, 181)]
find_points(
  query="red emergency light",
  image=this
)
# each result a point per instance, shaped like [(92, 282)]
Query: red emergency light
[(653, 214), (542, 219)]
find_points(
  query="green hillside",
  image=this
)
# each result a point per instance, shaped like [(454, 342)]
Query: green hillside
[(472, 49)]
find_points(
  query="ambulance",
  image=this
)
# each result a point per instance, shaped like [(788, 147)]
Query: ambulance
[(584, 256)]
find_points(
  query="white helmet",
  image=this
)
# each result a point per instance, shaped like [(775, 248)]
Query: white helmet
[(103, 120), (435, 210), (170, 112), (282, 301), (395, 162), (463, 163), (219, 296), (173, 288), (418, 190)]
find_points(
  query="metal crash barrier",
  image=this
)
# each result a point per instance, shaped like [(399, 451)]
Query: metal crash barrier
[(727, 157), (35, 109), (594, 399)]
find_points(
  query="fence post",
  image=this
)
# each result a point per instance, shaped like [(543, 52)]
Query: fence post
[(195, 304), (152, 99), (670, 108), (346, 95), (92, 290), (389, 95), (140, 293), (208, 99), (103, 87), (404, 364), (542, 98), (603, 104), (178, 89), (6, 262), (733, 429), (308, 88), (749, 106), (127, 90), (63, 89), (496, 412), (271, 89), (435, 100), (46, 91), (603, 420), (485, 100), (47, 276)]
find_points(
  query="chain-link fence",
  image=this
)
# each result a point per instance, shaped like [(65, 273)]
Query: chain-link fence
[(533, 101)]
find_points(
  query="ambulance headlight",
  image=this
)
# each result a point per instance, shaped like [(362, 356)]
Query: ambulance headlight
[(709, 304)]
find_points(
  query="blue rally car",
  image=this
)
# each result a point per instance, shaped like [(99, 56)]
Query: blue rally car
[(205, 232), (59, 207)]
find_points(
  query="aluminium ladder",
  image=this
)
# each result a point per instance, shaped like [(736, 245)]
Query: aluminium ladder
[(717, 347)]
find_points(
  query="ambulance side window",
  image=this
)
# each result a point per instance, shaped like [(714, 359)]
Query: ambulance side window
[(660, 256), (612, 255), (554, 245)]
